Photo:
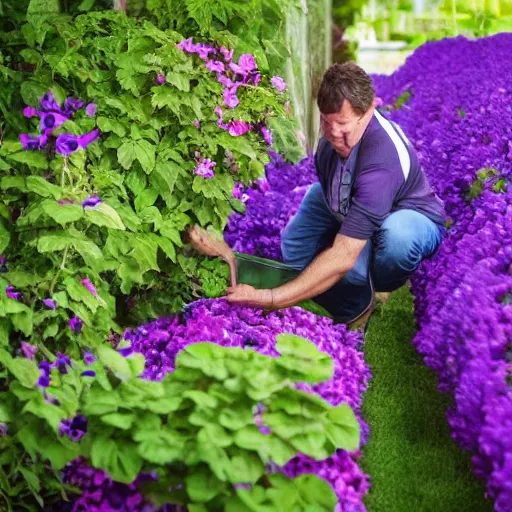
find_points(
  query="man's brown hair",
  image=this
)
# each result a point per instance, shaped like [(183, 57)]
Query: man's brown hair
[(345, 81)]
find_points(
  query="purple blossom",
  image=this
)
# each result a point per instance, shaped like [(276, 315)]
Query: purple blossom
[(3, 430), (88, 373), (227, 54), (3, 264), (90, 109), (238, 191), (215, 66), (29, 112), (75, 429), (160, 79), (11, 293), (89, 358), (50, 303), (48, 103), (76, 324), (187, 45), (91, 202), (67, 143), (224, 81), (88, 284), (196, 123), (218, 111), (44, 374), (267, 135), (237, 128), (73, 104), (51, 120), (205, 168), (278, 83), (246, 64), (33, 142), (29, 351), (61, 363), (230, 98)]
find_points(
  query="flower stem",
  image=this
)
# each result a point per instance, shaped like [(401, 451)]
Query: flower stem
[(61, 268)]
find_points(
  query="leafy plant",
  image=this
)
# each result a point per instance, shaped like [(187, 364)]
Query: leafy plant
[(210, 429)]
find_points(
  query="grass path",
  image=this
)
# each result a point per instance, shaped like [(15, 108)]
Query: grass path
[(413, 463)]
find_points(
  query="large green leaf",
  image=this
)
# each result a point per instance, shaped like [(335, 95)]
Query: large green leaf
[(116, 362), (180, 80), (106, 124), (52, 243), (5, 237), (104, 215), (202, 485), (126, 154), (43, 187), (63, 214), (30, 158), (145, 153)]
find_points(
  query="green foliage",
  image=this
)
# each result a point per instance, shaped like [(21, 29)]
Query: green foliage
[(198, 426), (141, 167)]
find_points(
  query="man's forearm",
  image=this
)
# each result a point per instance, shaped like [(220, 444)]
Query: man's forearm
[(320, 275)]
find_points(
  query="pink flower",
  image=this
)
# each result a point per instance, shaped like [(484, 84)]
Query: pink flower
[(245, 65), (87, 283), (238, 191), (29, 351), (218, 111), (11, 293), (50, 304), (29, 112), (237, 128), (227, 54), (256, 79), (160, 79), (205, 168), (196, 123), (187, 45), (278, 83), (90, 109), (224, 80)]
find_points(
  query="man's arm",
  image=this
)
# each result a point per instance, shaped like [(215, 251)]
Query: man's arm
[(322, 273)]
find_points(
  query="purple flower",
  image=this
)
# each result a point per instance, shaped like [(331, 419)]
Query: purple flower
[(29, 351), (76, 324), (3, 264), (33, 142), (48, 103), (256, 79), (238, 190), (160, 79), (227, 54), (90, 109), (73, 104), (204, 51), (51, 120), (187, 45), (29, 112), (3, 429), (61, 363), (215, 66), (218, 111), (196, 123), (267, 135), (230, 99), (87, 283), (278, 83), (88, 373), (75, 429), (67, 143), (91, 202), (237, 128), (11, 293), (50, 303), (245, 65), (89, 358), (224, 80), (44, 375), (205, 168)]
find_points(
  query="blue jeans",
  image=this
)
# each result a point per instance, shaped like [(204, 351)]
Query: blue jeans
[(386, 262)]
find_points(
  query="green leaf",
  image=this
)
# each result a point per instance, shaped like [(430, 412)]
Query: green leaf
[(145, 252), (202, 485), (111, 125), (179, 80), (136, 181), (124, 421), (144, 152), (44, 188), (49, 412), (100, 401), (91, 253), (164, 177), (168, 247), (344, 431), (52, 243), (24, 370), (62, 214), (146, 198), (245, 468), (161, 447), (126, 154), (104, 215), (317, 492), (18, 182), (58, 454), (116, 362), (77, 291), (119, 458), (31, 158), (5, 237), (137, 363)]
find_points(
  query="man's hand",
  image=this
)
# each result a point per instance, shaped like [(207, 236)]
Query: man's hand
[(246, 294)]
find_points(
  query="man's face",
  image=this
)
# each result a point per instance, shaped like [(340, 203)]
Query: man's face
[(342, 129)]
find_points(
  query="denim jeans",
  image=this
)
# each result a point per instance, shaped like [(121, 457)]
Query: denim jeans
[(386, 262)]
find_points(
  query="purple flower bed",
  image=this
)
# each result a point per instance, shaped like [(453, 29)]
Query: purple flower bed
[(217, 321), (459, 116)]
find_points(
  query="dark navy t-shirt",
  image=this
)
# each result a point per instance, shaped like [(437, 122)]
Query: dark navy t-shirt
[(385, 176)]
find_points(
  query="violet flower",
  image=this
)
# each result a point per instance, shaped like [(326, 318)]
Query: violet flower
[(33, 142), (50, 303), (278, 83), (227, 54), (205, 168), (245, 65), (76, 324), (75, 429), (61, 363), (11, 293), (67, 143), (91, 202), (89, 358), (49, 104), (267, 135), (29, 351), (88, 373), (3, 264), (160, 79), (187, 45), (73, 104), (88, 284), (230, 98), (215, 66), (196, 123), (44, 375), (90, 109)]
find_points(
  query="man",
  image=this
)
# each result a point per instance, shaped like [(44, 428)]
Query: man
[(371, 219)]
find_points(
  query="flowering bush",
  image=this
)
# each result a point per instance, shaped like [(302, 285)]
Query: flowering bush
[(457, 111), (205, 435), (101, 184)]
